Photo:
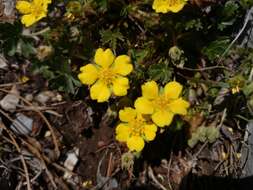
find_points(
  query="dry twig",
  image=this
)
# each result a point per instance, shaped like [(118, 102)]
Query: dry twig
[(152, 176), (14, 142), (57, 150)]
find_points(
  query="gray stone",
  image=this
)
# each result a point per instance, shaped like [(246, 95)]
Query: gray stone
[(247, 152), (22, 125), (246, 39)]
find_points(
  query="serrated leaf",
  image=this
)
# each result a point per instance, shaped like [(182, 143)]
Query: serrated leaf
[(216, 48), (111, 38), (160, 72)]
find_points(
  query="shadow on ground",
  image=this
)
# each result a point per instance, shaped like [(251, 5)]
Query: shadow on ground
[(193, 182)]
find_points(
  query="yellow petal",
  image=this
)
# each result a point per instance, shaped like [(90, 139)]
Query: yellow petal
[(162, 118), (100, 92), (120, 86), (160, 6), (89, 74), (135, 143), (143, 105), (177, 7), (104, 58), (173, 90), (24, 7), (122, 65), (41, 2), (150, 90), (164, 6), (150, 132), (179, 106), (28, 20), (122, 132), (127, 114)]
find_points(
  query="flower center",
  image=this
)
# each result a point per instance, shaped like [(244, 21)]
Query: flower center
[(137, 126), (161, 102), (107, 76)]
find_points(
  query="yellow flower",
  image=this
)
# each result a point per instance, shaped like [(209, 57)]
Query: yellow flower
[(24, 79), (32, 11), (134, 129), (235, 90), (164, 6), (107, 75), (161, 105)]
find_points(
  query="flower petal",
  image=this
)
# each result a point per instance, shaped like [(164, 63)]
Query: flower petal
[(104, 58), (172, 90), (24, 7), (43, 4), (127, 114), (162, 118), (122, 65), (40, 2), (179, 106), (150, 132), (122, 132), (135, 143), (100, 92), (160, 6), (89, 74), (150, 90), (143, 105), (177, 7), (28, 20), (164, 6), (120, 86)]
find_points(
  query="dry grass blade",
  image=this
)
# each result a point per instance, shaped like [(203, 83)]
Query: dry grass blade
[(35, 152), (57, 150), (14, 142)]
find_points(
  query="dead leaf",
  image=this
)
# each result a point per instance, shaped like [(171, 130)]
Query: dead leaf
[(195, 121)]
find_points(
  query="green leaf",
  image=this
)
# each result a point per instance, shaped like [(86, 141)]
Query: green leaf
[(27, 48), (45, 71), (111, 38), (216, 48), (228, 15), (160, 72), (103, 4), (212, 134), (246, 3), (230, 9), (194, 23)]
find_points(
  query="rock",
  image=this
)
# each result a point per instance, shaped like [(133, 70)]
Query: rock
[(247, 152), (44, 97), (71, 162), (246, 38), (10, 101), (29, 97), (103, 182), (9, 7), (22, 125)]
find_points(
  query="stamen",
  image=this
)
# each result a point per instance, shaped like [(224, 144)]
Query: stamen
[(161, 102), (107, 76), (137, 126)]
